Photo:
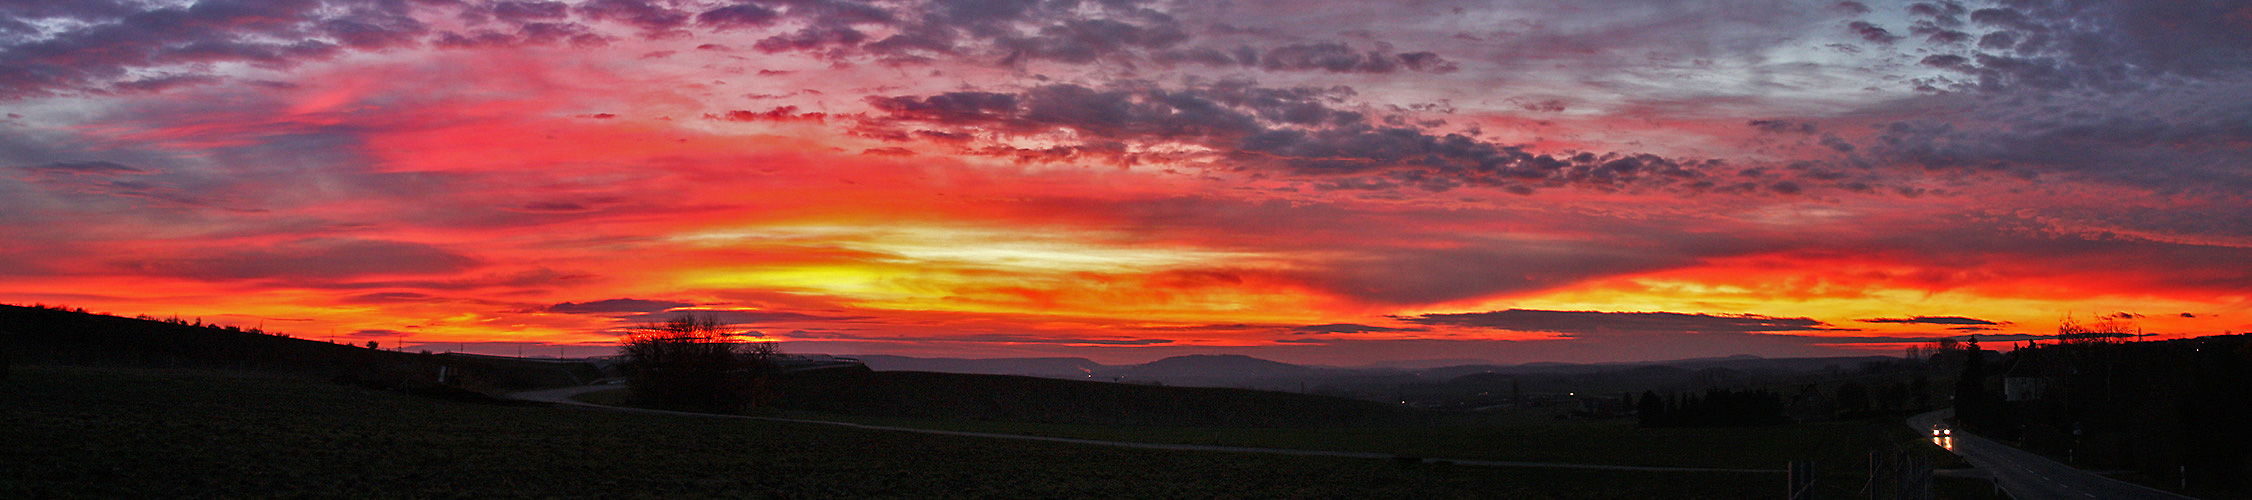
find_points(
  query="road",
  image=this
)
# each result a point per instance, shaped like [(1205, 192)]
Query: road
[(2027, 476), (563, 397)]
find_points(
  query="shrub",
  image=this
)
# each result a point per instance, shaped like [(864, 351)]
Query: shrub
[(695, 364)]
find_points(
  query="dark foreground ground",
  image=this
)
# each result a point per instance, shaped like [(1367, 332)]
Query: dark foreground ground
[(127, 433)]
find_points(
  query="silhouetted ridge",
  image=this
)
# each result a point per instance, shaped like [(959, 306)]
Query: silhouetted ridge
[(41, 335), (1046, 367), (1215, 365)]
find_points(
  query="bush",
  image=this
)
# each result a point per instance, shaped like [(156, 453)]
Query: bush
[(695, 364)]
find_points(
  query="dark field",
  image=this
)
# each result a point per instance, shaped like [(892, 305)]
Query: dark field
[(1841, 449), (1614, 442), (956, 402), (123, 433), (958, 396), (1127, 412)]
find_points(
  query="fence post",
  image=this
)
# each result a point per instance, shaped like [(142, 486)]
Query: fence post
[(1802, 480)]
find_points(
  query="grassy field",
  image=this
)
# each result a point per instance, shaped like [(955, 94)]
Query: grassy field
[(1842, 449), (1234, 417), (960, 396), (1612, 442), (127, 433)]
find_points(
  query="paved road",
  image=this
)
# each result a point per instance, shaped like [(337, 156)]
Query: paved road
[(563, 396), (2027, 476)]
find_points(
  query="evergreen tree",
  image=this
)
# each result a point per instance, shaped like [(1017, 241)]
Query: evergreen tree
[(1971, 399)]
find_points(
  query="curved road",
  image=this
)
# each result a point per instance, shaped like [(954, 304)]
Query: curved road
[(2027, 476), (563, 396)]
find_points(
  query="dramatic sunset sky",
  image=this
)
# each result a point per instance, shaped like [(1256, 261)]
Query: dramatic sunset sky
[(1318, 181)]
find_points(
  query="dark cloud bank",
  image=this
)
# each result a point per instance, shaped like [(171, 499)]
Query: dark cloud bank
[(115, 46), (1297, 131), (1597, 324), (615, 306)]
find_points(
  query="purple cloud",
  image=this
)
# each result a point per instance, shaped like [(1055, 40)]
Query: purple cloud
[(1932, 320), (615, 306), (1601, 324), (310, 260), (1349, 328)]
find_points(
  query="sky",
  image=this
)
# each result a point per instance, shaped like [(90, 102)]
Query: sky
[(1316, 181)]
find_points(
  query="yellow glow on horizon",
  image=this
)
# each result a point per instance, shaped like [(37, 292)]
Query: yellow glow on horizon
[(1026, 249), (959, 268), (860, 282), (2037, 316)]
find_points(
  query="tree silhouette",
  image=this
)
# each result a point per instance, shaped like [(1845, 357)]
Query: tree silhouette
[(1717, 408), (693, 363), (1973, 404), (2105, 329), (1650, 411), (1853, 397)]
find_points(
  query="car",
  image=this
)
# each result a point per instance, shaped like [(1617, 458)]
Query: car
[(1942, 432)]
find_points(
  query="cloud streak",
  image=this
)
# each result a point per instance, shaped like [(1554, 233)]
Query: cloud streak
[(1597, 323), (615, 306), (1589, 180), (1933, 320)]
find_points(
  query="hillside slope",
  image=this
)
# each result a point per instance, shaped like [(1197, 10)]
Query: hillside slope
[(39, 335)]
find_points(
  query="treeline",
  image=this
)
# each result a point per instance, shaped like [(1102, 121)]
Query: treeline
[(2168, 409), (1716, 408), (1886, 399)]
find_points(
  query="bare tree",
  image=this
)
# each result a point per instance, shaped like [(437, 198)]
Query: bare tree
[(695, 363), (2105, 329)]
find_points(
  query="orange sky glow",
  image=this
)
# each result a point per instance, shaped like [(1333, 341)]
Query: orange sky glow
[(1124, 181)]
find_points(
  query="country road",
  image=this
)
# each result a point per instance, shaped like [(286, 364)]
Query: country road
[(2027, 476), (563, 396)]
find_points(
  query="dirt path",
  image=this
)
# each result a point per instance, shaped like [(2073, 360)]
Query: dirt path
[(563, 397)]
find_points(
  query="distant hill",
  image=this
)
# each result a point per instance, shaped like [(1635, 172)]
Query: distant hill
[(1032, 399), (1618, 379), (1042, 367), (1758, 364), (1195, 370), (1423, 364), (40, 335), (1228, 370), (1741, 362), (1654, 371), (1460, 383), (1213, 365)]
